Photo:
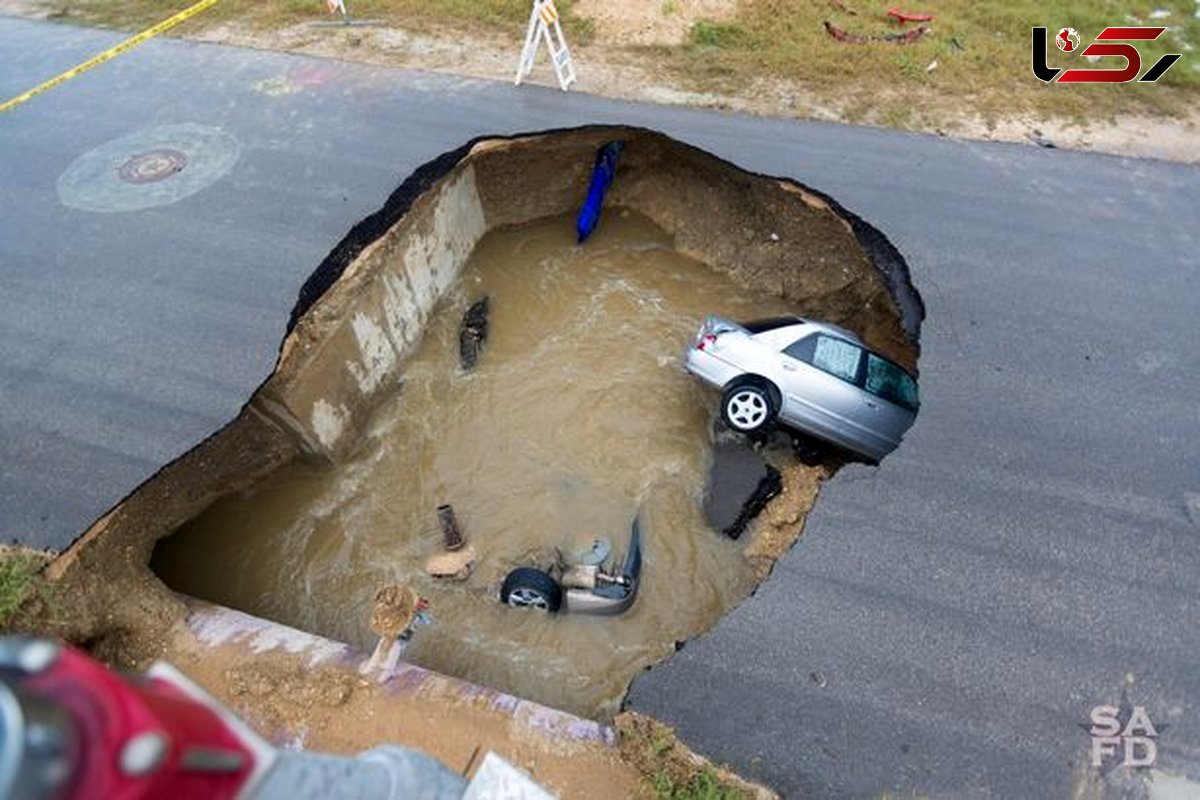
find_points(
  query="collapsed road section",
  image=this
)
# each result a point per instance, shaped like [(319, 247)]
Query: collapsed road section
[(562, 418)]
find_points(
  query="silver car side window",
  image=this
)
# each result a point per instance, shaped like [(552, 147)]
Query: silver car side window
[(837, 357), (886, 380), (802, 348)]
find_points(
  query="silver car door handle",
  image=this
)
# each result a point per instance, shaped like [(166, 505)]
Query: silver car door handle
[(787, 366), (871, 404)]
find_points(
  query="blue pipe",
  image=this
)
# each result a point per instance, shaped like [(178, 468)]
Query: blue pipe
[(602, 178)]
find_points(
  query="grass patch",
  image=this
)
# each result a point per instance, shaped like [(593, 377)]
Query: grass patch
[(704, 785), (669, 769), (706, 33), (20, 580), (982, 52)]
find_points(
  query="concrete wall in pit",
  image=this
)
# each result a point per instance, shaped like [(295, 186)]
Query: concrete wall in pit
[(346, 350)]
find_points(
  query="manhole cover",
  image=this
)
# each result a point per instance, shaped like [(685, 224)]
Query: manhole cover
[(151, 166)]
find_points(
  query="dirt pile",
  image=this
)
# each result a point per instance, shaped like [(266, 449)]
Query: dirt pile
[(650, 23)]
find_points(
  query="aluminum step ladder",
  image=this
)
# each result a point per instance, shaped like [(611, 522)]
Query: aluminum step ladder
[(544, 25)]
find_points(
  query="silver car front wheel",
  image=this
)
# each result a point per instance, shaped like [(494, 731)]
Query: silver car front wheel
[(747, 408)]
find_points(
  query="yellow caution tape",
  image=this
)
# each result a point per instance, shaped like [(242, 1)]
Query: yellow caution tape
[(111, 53)]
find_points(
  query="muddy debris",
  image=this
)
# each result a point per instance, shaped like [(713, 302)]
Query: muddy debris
[(452, 535), (454, 565), (324, 688), (472, 334)]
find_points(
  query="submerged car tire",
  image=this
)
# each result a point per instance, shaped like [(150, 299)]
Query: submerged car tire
[(748, 406), (526, 587)]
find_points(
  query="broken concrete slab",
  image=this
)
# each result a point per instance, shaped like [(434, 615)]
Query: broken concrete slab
[(740, 484)]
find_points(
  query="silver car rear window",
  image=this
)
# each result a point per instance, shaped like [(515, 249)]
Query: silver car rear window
[(771, 323)]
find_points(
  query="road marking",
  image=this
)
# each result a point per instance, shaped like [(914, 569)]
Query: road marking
[(110, 54)]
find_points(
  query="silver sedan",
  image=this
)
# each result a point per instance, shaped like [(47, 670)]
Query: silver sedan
[(812, 376)]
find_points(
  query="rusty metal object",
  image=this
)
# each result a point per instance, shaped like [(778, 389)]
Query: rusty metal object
[(459, 557), (902, 17), (845, 37)]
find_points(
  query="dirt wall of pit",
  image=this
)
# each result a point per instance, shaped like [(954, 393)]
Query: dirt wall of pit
[(364, 309)]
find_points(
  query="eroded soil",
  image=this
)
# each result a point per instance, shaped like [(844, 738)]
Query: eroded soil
[(337, 711)]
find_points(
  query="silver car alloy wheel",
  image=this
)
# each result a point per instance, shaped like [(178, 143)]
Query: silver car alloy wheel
[(747, 409), (527, 598)]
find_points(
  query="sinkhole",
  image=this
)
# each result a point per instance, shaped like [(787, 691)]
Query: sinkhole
[(576, 418)]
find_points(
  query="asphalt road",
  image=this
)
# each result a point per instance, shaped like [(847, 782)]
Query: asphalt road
[(949, 619)]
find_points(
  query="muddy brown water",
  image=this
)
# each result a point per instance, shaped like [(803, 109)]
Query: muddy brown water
[(577, 415)]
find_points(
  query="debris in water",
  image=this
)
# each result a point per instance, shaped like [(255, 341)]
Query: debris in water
[(396, 609), (589, 589), (459, 557), (451, 534), (740, 485), (456, 564), (473, 333), (597, 554)]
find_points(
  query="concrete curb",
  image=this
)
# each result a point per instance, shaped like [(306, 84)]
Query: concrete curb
[(218, 626)]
